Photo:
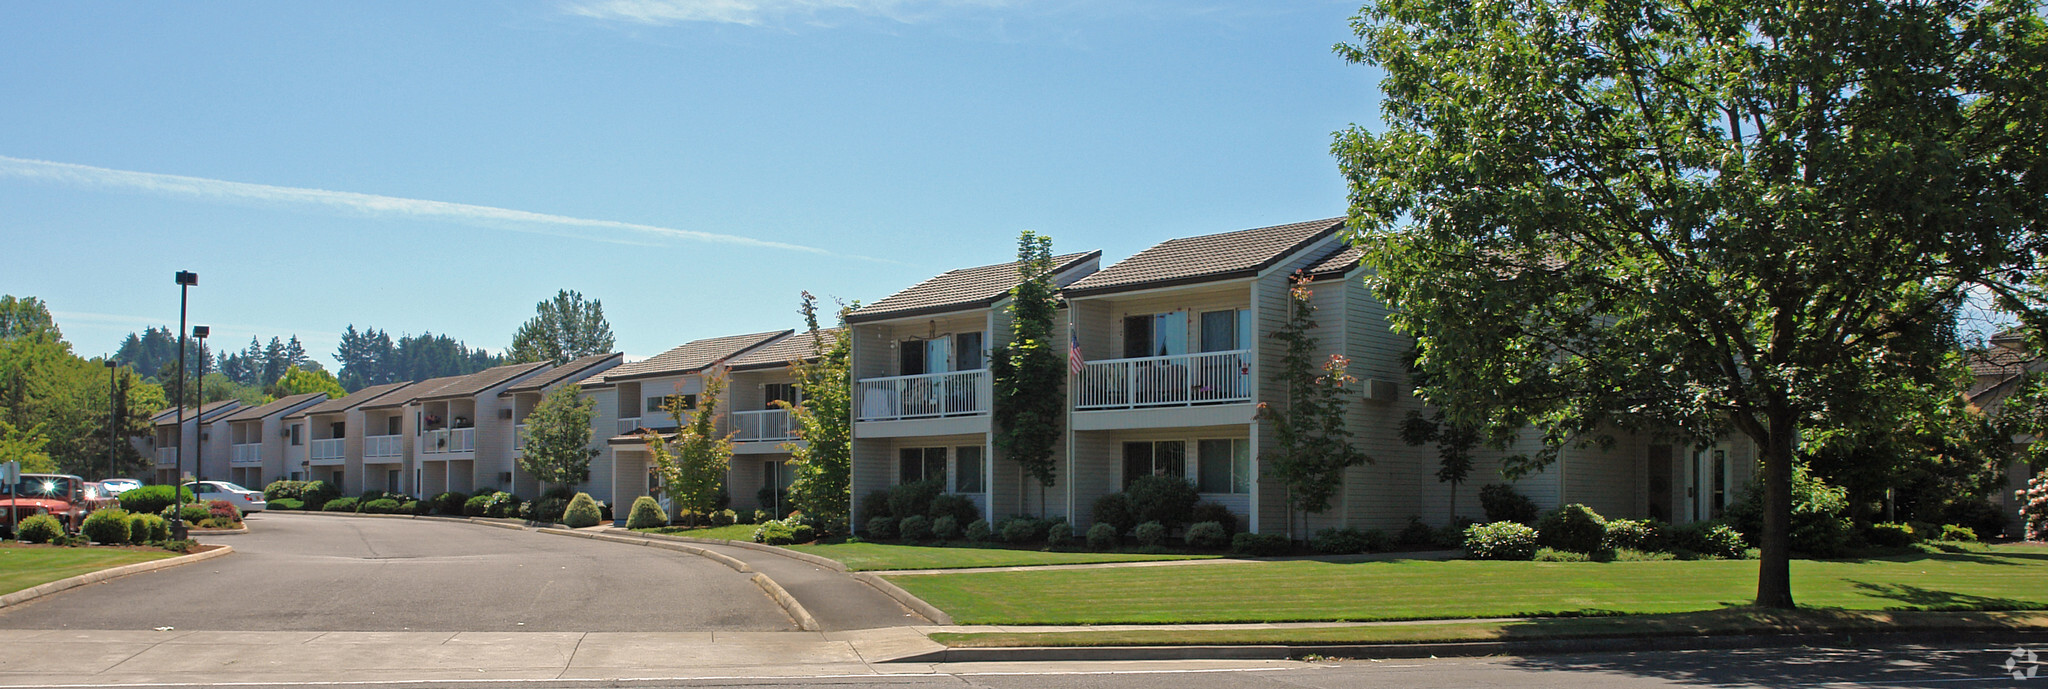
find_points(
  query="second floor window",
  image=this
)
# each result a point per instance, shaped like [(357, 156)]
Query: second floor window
[(1156, 334), (296, 439), (942, 354), (779, 392), (659, 404)]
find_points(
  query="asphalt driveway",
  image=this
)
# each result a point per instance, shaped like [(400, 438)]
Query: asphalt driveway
[(298, 572)]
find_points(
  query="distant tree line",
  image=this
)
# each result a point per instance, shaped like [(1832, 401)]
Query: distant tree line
[(372, 357)]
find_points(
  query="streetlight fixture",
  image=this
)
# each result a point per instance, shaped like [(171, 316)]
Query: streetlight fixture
[(113, 409), (186, 281), (199, 461)]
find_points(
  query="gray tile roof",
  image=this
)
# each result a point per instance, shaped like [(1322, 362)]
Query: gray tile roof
[(691, 357), (567, 371), (410, 392), (1337, 263), (777, 354), (959, 289), (169, 417), (353, 400), (1209, 257), (274, 408), (476, 383)]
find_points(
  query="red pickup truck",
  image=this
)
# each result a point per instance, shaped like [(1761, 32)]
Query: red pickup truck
[(67, 497)]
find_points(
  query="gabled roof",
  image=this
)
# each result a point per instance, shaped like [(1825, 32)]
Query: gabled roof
[(274, 408), (476, 383), (1341, 261), (581, 366), (777, 354), (353, 400), (966, 288), (169, 417), (692, 356), (411, 391), (1225, 256)]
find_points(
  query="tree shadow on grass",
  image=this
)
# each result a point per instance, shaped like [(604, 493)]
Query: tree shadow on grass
[(1918, 598)]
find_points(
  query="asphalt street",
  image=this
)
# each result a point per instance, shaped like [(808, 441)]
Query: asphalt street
[(323, 573)]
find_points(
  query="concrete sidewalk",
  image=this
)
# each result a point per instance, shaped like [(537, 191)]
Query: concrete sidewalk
[(835, 598)]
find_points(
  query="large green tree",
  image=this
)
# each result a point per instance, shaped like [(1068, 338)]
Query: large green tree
[(63, 403), (562, 328), (1711, 216), (823, 462), (693, 465), (557, 449), (298, 381), (1029, 371)]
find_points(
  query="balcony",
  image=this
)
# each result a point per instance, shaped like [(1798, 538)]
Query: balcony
[(929, 395), (247, 453), (448, 440), (327, 450), (519, 436), (384, 446), (166, 456), (1177, 380), (762, 426), (628, 425)]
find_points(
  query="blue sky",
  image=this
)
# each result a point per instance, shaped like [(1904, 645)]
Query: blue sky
[(693, 163)]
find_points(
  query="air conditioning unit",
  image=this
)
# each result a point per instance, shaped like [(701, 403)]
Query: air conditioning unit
[(1377, 390), (504, 413)]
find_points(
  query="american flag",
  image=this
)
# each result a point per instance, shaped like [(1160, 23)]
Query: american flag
[(1074, 360)]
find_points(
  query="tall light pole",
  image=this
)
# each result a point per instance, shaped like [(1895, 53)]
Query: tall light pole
[(113, 411), (199, 462), (186, 281)]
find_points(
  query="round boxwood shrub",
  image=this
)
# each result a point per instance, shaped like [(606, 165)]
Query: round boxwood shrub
[(339, 505), (138, 528), (1502, 503), (1573, 527), (1169, 500), (477, 505), (646, 514), (774, 532), (190, 514), (978, 531), (1644, 535), (450, 503), (503, 505), (1102, 537), (582, 512), (724, 518), (1709, 539), (1212, 512), (371, 496), (1260, 544), (1114, 509), (1889, 535), (915, 528), (108, 526), (881, 528), (151, 499), (378, 506), (800, 531), (1208, 536), (1149, 534), (281, 489), (417, 507), (41, 528), (914, 498), (1341, 541), (946, 528), (549, 508), (1503, 540), (961, 509), (1059, 533), (1955, 532), (1022, 531)]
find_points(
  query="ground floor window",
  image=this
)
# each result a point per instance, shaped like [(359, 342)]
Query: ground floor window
[(964, 466), (1225, 465), (915, 464), (967, 469), (1155, 458)]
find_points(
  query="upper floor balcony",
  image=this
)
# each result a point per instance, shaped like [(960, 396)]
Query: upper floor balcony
[(519, 436), (247, 453), (166, 456), (384, 446), (448, 440), (1175, 380), (327, 450), (762, 426), (928, 395)]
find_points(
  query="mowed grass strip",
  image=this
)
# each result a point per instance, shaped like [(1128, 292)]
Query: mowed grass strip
[(868, 557), (729, 532), (23, 566), (1715, 622), (2000, 577)]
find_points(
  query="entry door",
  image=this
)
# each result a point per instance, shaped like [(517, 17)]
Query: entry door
[(1709, 483), (1659, 465)]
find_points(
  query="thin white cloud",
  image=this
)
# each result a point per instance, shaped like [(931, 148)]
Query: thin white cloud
[(380, 206), (760, 12)]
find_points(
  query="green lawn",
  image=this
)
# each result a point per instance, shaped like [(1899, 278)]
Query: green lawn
[(1998, 577), (731, 532), (861, 557), (25, 566)]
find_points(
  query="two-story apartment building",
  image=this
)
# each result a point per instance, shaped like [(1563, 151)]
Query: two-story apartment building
[(763, 389), (261, 439), (203, 437), (336, 430), (384, 459), (922, 391), (632, 402), (462, 435), (519, 400)]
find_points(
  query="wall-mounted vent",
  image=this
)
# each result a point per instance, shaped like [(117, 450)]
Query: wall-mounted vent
[(1378, 390), (504, 413)]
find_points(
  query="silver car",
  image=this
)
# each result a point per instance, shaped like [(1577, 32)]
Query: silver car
[(243, 499)]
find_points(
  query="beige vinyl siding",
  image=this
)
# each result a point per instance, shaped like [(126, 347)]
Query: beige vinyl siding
[(604, 423), (1270, 292), (1102, 324)]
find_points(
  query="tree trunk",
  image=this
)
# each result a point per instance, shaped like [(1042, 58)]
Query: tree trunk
[(1774, 572)]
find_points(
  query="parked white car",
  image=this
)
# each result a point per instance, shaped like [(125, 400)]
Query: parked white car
[(242, 498), (117, 486)]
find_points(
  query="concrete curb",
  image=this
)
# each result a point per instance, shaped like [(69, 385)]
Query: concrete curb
[(789, 604), (904, 598), (512, 524), (825, 562), (195, 533), (34, 592), (722, 559)]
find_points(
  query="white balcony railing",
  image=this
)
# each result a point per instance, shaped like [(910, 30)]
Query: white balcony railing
[(1167, 381), (384, 446), (448, 440), (758, 426), (166, 456), (327, 449), (519, 436), (932, 394), (462, 440), (628, 425), (247, 453)]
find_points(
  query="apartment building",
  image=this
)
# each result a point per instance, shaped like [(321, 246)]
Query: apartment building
[(336, 430), (763, 389), (203, 438), (632, 401), (261, 439), (519, 400), (462, 435)]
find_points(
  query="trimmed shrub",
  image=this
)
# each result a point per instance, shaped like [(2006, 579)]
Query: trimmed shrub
[(1633, 555), (371, 496), (477, 505), (1260, 544), (108, 526), (1709, 539), (800, 531), (1149, 534), (961, 509), (1890, 535), (503, 505), (152, 499), (1208, 536), (1212, 512), (549, 509), (41, 528), (582, 512), (646, 514), (139, 530), (775, 533), (1415, 533), (880, 528), (978, 531), (1647, 535), (1169, 500), (417, 507), (725, 518), (915, 528), (1102, 537), (191, 514), (339, 505), (1059, 534), (760, 516), (222, 509), (378, 506), (318, 493), (287, 504), (217, 523), (1115, 510), (1022, 531), (1344, 541), (1573, 527), (281, 489), (914, 498), (946, 528), (1953, 532), (1502, 503), (1555, 555), (876, 504), (450, 503), (1501, 540)]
